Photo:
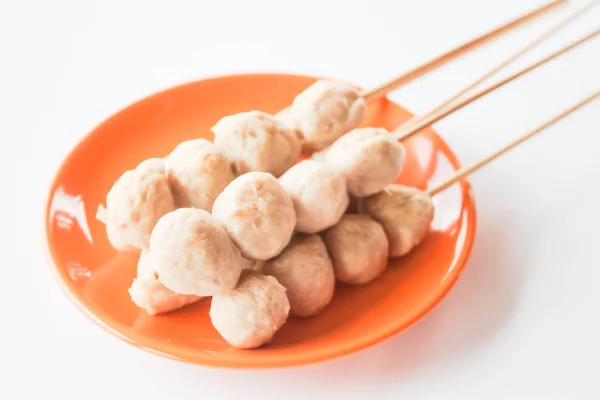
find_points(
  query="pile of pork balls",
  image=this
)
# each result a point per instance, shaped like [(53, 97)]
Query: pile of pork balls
[(238, 220)]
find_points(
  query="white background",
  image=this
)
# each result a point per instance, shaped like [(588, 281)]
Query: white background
[(522, 322)]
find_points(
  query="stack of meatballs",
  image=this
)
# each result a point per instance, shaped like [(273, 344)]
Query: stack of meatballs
[(238, 220)]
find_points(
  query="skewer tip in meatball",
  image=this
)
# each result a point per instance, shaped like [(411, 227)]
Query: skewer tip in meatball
[(358, 248), (305, 270), (192, 254), (134, 204), (257, 141), (257, 213), (405, 214), (197, 173), (251, 314), (370, 158), (325, 111), (319, 194)]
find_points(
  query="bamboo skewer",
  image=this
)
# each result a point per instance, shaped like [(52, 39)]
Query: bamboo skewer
[(466, 171), (459, 51), (506, 62), (404, 133)]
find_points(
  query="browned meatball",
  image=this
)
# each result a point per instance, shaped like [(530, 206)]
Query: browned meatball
[(198, 173), (319, 194), (257, 213), (325, 111), (305, 270), (370, 158), (135, 203), (358, 248), (192, 254), (257, 141), (405, 214), (252, 313)]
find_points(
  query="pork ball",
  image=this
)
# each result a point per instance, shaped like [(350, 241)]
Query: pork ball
[(192, 254), (358, 248), (325, 111), (319, 194), (370, 158), (251, 314), (405, 214), (151, 295), (257, 213), (136, 202), (257, 141), (197, 173), (305, 270)]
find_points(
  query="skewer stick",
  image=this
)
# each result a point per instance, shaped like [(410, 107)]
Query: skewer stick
[(459, 51), (403, 133), (466, 171), (506, 62)]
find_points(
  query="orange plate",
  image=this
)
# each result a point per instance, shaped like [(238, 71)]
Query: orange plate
[(96, 278)]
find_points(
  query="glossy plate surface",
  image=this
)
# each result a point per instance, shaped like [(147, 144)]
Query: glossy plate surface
[(96, 278)]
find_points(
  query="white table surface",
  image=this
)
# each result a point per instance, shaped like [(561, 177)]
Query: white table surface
[(523, 320)]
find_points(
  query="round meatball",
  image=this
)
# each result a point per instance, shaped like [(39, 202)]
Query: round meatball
[(305, 270), (358, 248), (405, 214), (257, 213), (251, 314), (370, 158), (136, 202), (197, 173), (319, 194), (151, 295), (257, 141), (325, 111), (192, 254)]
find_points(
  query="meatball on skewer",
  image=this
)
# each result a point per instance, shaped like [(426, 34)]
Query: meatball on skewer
[(324, 111), (134, 204), (257, 141), (369, 158), (306, 271), (192, 254), (358, 248), (405, 214), (250, 315), (257, 213), (197, 173), (319, 194)]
